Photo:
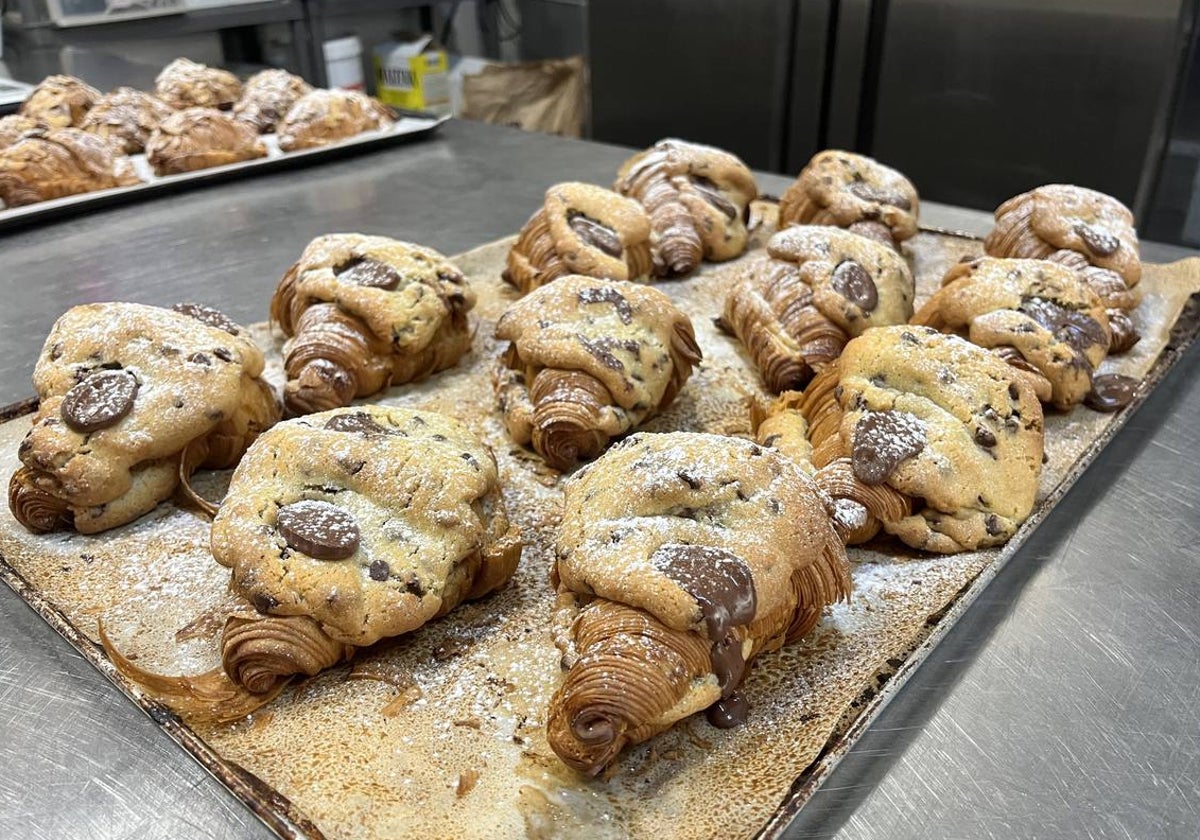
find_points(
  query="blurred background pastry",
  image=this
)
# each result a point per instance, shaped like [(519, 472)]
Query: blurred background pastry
[(126, 116), (267, 96), (66, 161), (186, 84), (198, 138)]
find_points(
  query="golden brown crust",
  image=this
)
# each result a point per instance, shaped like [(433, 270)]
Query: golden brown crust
[(60, 101), (351, 338), (61, 162), (321, 117), (581, 229), (186, 84), (1063, 217), (199, 138), (821, 285), (657, 637), (589, 361), (697, 197), (267, 96), (13, 127), (841, 188), (126, 117)]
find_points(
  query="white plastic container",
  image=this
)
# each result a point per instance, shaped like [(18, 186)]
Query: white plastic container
[(343, 63)]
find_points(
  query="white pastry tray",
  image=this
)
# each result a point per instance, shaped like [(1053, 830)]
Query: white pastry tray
[(406, 128)]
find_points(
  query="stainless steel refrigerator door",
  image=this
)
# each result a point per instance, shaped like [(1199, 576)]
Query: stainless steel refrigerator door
[(978, 100)]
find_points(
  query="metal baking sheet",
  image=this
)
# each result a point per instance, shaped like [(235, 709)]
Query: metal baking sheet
[(648, 776), (407, 128)]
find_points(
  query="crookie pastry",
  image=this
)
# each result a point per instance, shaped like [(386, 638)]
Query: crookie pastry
[(581, 229), (680, 558), (127, 117), (588, 361), (134, 399), (341, 529), (321, 117), (697, 197), (267, 96), (199, 138), (366, 312), (820, 286)]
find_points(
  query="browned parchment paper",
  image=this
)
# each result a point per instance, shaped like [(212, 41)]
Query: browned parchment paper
[(440, 733)]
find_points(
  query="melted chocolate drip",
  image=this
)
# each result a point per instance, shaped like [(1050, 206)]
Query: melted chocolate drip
[(715, 197), (719, 580), (371, 273), (1111, 392), (1069, 326), (100, 401), (851, 281), (882, 439), (319, 529), (728, 712), (595, 234)]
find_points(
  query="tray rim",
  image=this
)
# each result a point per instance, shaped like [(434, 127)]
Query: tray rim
[(277, 813), (13, 218)]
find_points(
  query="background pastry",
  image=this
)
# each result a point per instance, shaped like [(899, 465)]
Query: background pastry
[(60, 101), (60, 162), (1038, 314), (819, 286), (939, 440), (126, 116), (680, 558), (133, 399), (855, 192), (15, 126), (588, 361), (698, 200), (327, 116), (581, 229), (267, 96), (365, 312), (199, 138), (186, 84)]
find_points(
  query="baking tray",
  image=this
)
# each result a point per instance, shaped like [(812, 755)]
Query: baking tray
[(408, 127), (651, 792)]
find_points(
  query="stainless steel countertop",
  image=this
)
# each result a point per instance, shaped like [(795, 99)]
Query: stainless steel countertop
[(1065, 704)]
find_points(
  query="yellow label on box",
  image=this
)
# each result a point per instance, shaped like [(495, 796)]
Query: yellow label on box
[(415, 83)]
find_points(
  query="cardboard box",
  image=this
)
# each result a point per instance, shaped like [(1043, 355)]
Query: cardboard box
[(413, 76)]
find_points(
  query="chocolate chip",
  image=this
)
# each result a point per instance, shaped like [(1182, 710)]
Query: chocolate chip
[(1111, 392), (223, 354), (99, 401), (374, 274), (1100, 242), (714, 196), (319, 529), (771, 441), (607, 294), (1013, 391), (200, 359), (908, 337), (207, 315), (984, 437), (851, 281), (688, 479), (263, 602), (380, 570), (1074, 328), (883, 439), (355, 422), (992, 524), (595, 234)]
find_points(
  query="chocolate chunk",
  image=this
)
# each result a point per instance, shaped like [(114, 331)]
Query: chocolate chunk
[(719, 580), (601, 349), (607, 294), (992, 525), (207, 315), (876, 231), (100, 401), (689, 479), (714, 196), (319, 529), (263, 602), (1075, 328), (357, 422), (223, 354), (984, 437), (728, 712), (882, 439), (1100, 242), (1111, 392), (380, 570), (851, 281), (371, 273), (595, 234), (879, 195)]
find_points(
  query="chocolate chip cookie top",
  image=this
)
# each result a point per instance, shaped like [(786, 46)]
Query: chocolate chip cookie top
[(123, 385), (1043, 310), (842, 188), (689, 527), (1067, 217), (187, 84), (944, 421), (370, 520)]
